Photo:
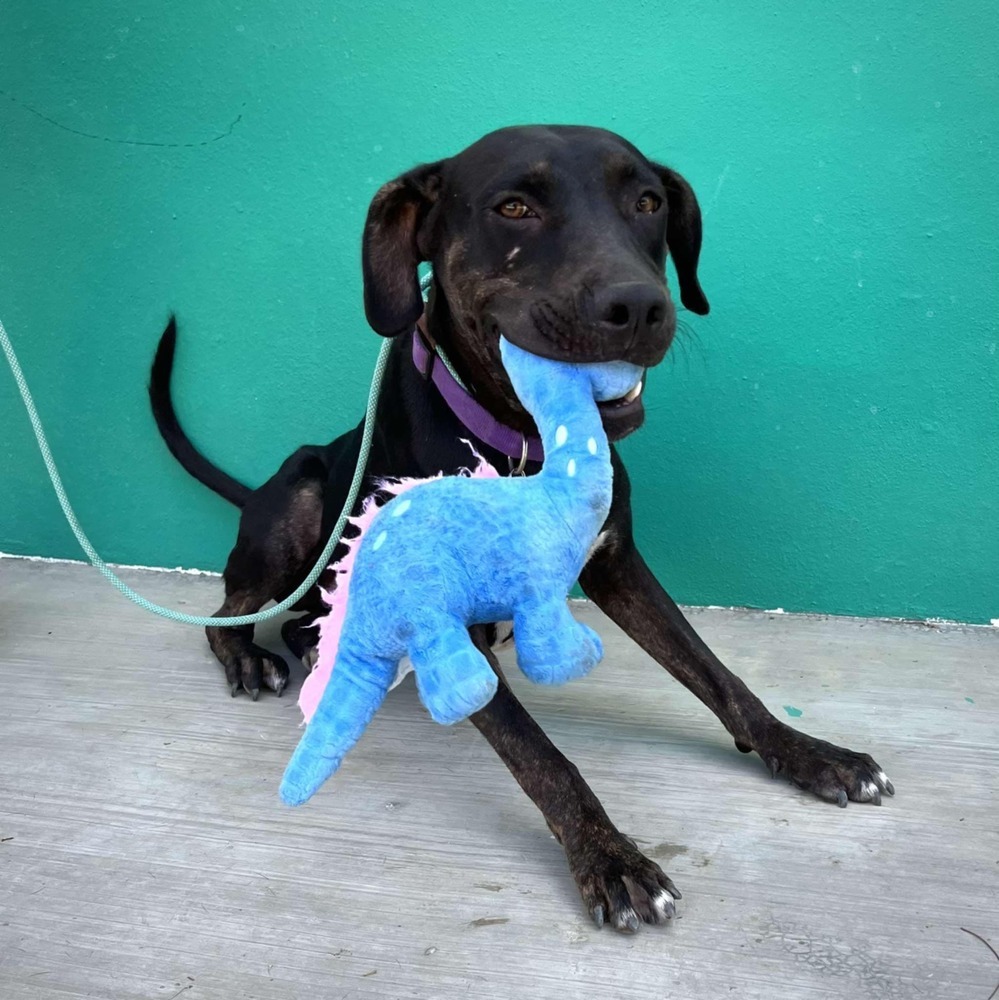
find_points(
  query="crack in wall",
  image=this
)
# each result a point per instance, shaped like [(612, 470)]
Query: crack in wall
[(123, 142)]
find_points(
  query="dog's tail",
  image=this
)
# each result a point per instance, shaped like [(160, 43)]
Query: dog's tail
[(173, 434)]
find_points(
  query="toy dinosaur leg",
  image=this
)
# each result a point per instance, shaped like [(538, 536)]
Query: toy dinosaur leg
[(356, 690), (552, 647), (454, 679)]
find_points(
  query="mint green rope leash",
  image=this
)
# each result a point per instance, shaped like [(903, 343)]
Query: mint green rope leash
[(445, 360), (179, 616)]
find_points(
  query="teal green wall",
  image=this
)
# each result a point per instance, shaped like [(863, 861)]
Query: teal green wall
[(827, 439)]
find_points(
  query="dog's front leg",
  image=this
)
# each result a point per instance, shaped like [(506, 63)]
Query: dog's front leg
[(619, 885), (622, 585)]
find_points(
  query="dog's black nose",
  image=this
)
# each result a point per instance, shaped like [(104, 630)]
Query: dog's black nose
[(635, 307)]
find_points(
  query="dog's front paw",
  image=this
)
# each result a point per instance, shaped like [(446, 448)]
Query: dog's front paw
[(830, 772), (620, 886)]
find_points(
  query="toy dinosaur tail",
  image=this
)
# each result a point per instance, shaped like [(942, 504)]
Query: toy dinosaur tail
[(354, 693)]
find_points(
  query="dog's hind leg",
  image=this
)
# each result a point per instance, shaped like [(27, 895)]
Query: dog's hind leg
[(280, 536), (246, 664)]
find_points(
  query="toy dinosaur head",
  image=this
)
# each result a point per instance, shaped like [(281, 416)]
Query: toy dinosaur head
[(544, 386)]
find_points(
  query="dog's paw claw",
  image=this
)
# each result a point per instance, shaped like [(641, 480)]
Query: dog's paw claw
[(830, 772), (622, 887), (665, 904), (255, 670), (310, 658), (871, 792), (882, 782)]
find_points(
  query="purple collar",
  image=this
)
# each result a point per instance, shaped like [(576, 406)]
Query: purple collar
[(476, 418)]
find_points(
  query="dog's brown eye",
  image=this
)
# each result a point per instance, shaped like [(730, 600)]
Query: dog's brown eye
[(648, 204), (514, 209)]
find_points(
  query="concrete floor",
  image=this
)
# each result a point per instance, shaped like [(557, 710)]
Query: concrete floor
[(145, 853)]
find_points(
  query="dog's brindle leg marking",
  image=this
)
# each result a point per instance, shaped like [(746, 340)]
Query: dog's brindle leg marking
[(280, 536), (617, 882), (617, 579)]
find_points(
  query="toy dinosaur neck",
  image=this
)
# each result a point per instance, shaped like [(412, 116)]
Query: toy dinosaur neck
[(577, 455)]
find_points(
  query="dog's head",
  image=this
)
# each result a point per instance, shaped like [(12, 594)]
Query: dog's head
[(556, 236)]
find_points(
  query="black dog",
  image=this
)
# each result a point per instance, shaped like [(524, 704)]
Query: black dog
[(557, 236)]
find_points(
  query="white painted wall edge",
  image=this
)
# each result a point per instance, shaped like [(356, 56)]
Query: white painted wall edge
[(925, 622), (83, 562)]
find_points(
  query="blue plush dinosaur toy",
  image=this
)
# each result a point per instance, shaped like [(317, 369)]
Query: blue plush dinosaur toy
[(457, 551)]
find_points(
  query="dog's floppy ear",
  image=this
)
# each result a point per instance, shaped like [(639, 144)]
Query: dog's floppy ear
[(392, 248), (683, 237)]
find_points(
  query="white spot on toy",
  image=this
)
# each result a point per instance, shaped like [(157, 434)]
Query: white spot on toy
[(379, 541), (591, 446), (561, 435), (401, 506), (571, 467)]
